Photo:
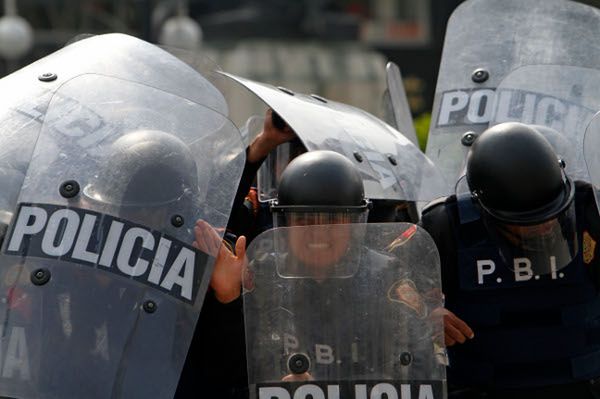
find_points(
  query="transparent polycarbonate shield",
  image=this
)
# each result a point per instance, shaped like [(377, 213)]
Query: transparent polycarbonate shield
[(21, 118), (396, 106), (559, 100), (197, 60), (117, 55), (102, 236), (392, 167), (20, 337), (344, 308), (133, 59), (485, 41), (269, 173), (242, 107), (591, 144)]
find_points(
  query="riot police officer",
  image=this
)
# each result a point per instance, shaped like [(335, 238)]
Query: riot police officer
[(319, 187), (319, 193), (159, 188), (327, 298), (207, 368), (220, 371), (322, 187), (519, 272), (102, 288)]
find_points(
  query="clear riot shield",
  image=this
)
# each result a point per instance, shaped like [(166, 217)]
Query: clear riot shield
[(395, 104), (344, 311), (393, 168), (100, 241), (31, 88), (523, 33), (560, 99), (591, 143)]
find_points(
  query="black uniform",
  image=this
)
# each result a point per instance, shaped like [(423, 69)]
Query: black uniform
[(215, 366), (536, 336)]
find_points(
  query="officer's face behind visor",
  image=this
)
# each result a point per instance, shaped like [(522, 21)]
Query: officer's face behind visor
[(543, 244), (320, 241), (290, 219)]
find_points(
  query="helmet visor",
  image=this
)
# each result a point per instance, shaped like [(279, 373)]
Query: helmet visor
[(537, 249), (289, 218)]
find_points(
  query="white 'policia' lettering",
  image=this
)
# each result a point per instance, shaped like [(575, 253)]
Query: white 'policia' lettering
[(360, 391), (52, 232), (470, 107), (14, 355)]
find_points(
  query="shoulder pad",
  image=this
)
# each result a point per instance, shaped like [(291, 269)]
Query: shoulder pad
[(436, 203), (582, 186), (584, 192)]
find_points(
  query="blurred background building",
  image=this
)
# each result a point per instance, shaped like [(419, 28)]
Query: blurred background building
[(334, 48)]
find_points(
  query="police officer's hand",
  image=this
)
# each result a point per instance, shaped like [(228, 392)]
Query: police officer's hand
[(269, 139), (226, 280), (455, 330)]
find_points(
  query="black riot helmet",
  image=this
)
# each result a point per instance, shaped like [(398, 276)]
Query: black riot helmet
[(320, 187), (527, 201), (515, 175), (146, 169)]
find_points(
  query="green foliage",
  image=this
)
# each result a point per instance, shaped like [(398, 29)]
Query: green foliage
[(422, 128)]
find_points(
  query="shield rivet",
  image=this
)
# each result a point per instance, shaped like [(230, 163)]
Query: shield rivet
[(299, 363), (69, 189), (468, 139), (480, 75), (177, 220), (406, 358), (150, 306), (40, 276), (47, 77)]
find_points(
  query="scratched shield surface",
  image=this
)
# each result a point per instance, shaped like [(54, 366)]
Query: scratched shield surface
[(118, 168), (479, 54), (392, 167), (344, 306), (591, 144), (560, 101)]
